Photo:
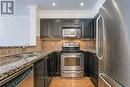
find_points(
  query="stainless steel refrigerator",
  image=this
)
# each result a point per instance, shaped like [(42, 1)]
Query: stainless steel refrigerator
[(113, 44)]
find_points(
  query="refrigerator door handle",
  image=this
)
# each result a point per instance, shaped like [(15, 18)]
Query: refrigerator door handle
[(101, 75), (97, 37)]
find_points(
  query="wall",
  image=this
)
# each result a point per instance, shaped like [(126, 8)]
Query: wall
[(19, 29), (7, 51), (56, 45), (11, 32)]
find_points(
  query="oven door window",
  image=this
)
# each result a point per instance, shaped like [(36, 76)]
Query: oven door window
[(72, 61)]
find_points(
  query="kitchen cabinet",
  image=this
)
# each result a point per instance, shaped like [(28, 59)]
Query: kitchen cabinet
[(57, 63), (94, 28), (53, 62), (91, 66), (41, 73), (87, 64), (56, 28), (46, 79), (88, 28), (50, 28), (94, 68), (45, 68), (45, 27), (71, 23), (51, 65)]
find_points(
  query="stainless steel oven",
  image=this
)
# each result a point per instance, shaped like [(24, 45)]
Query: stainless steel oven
[(72, 64)]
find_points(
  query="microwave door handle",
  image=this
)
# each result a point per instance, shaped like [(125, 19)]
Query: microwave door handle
[(101, 76)]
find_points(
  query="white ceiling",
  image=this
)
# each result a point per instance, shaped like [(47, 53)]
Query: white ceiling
[(64, 4)]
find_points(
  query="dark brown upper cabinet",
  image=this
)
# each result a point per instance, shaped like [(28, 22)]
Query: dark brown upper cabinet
[(56, 28), (45, 27), (71, 23), (52, 28), (88, 28)]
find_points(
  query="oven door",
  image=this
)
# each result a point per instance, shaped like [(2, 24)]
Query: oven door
[(72, 62)]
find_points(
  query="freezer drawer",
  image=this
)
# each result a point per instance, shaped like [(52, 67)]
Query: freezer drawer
[(105, 81)]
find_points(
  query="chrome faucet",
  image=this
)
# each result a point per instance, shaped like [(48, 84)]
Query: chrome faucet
[(24, 48), (24, 51)]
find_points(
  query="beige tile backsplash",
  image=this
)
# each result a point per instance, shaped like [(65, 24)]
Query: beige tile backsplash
[(57, 44), (48, 45)]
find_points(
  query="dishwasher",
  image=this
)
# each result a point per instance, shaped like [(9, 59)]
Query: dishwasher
[(22, 78)]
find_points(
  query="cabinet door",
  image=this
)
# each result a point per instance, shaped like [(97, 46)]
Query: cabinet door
[(94, 28), (71, 22), (51, 65), (94, 68), (45, 67), (67, 22), (87, 28), (46, 80), (86, 64), (76, 23), (57, 64), (45, 26), (56, 28), (39, 73)]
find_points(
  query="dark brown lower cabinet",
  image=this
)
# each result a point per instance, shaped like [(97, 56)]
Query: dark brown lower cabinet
[(91, 66), (39, 73), (94, 68), (45, 68), (53, 63), (87, 64)]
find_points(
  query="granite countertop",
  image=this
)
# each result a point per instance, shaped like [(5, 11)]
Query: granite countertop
[(92, 51), (10, 65)]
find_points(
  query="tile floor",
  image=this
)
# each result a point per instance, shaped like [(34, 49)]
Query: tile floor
[(71, 82)]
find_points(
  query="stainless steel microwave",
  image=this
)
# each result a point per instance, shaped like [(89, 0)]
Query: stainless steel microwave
[(71, 32)]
